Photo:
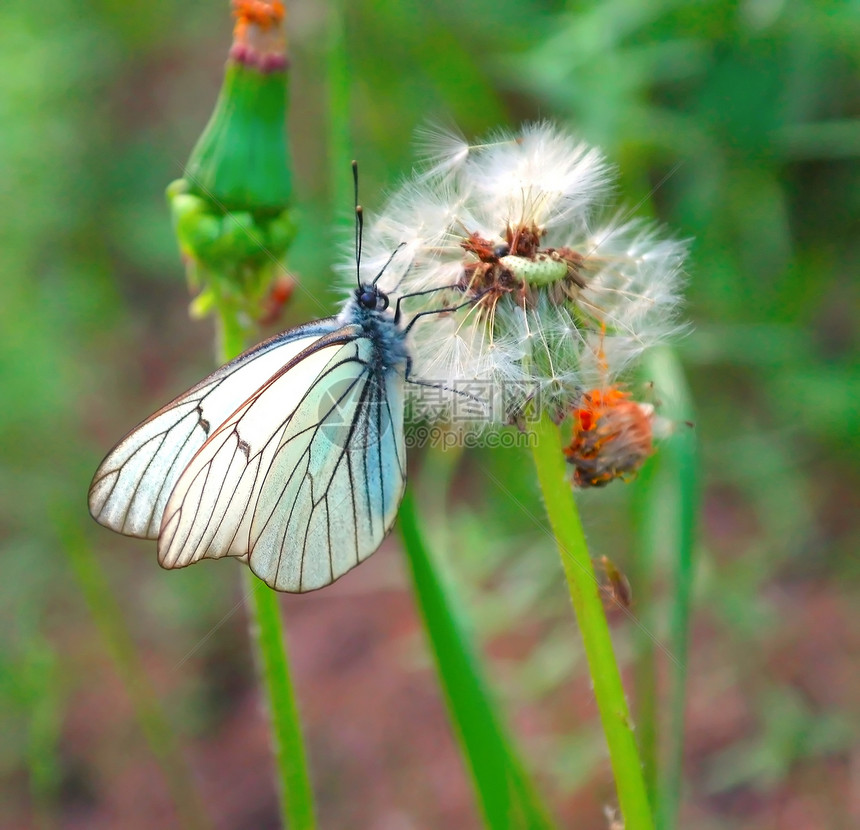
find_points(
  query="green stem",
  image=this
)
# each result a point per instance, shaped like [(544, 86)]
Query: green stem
[(588, 606), (507, 796), (158, 732), (297, 805), (296, 795), (230, 335)]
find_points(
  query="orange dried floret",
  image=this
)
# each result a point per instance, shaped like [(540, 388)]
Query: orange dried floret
[(258, 11), (258, 36), (612, 437)]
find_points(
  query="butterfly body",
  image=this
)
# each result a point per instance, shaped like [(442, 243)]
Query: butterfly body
[(291, 457)]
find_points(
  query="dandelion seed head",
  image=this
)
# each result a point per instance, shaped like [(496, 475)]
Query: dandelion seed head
[(513, 228)]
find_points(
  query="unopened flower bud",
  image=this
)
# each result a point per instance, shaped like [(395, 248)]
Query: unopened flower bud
[(231, 209)]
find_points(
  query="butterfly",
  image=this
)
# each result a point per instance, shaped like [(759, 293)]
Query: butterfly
[(291, 457)]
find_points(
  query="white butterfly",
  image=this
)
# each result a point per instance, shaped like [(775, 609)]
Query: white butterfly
[(291, 457)]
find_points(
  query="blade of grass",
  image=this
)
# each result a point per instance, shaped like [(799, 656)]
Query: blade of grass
[(506, 794), (338, 113), (672, 483), (645, 520), (588, 606), (107, 614)]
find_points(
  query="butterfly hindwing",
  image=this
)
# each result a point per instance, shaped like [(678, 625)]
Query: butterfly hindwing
[(131, 487), (305, 477), (331, 509)]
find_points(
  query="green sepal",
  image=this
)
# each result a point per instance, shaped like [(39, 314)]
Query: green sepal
[(202, 305), (281, 232), (240, 162), (199, 235), (242, 239), (231, 241)]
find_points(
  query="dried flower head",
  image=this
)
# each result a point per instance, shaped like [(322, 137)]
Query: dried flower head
[(511, 227), (612, 437), (258, 36)]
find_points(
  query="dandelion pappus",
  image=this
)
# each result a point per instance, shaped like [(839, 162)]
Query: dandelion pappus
[(513, 226)]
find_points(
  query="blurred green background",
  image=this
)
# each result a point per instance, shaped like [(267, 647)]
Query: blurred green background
[(737, 124)]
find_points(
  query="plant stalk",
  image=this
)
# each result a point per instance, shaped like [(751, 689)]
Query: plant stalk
[(588, 607), (296, 795), (266, 625)]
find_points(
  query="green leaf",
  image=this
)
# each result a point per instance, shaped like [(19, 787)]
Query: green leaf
[(507, 797)]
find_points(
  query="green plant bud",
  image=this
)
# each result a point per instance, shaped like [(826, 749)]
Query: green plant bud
[(230, 209), (281, 231), (242, 238), (183, 205), (199, 233), (176, 188), (202, 305), (241, 159)]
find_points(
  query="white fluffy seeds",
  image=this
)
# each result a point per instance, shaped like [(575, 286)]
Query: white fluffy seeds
[(563, 298)]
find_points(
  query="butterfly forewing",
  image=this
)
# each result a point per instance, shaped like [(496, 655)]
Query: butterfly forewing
[(216, 492), (131, 487), (305, 478)]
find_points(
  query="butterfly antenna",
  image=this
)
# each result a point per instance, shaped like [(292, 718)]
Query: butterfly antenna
[(359, 232), (359, 223), (388, 262)]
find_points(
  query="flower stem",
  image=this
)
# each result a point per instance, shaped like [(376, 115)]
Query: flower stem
[(642, 572), (230, 338), (296, 795), (588, 606)]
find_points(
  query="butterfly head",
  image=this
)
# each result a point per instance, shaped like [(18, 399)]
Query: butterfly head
[(371, 298)]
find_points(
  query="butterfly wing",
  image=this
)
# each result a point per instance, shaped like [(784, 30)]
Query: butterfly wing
[(131, 487), (305, 478)]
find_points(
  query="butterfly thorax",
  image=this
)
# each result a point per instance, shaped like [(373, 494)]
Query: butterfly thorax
[(368, 309)]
